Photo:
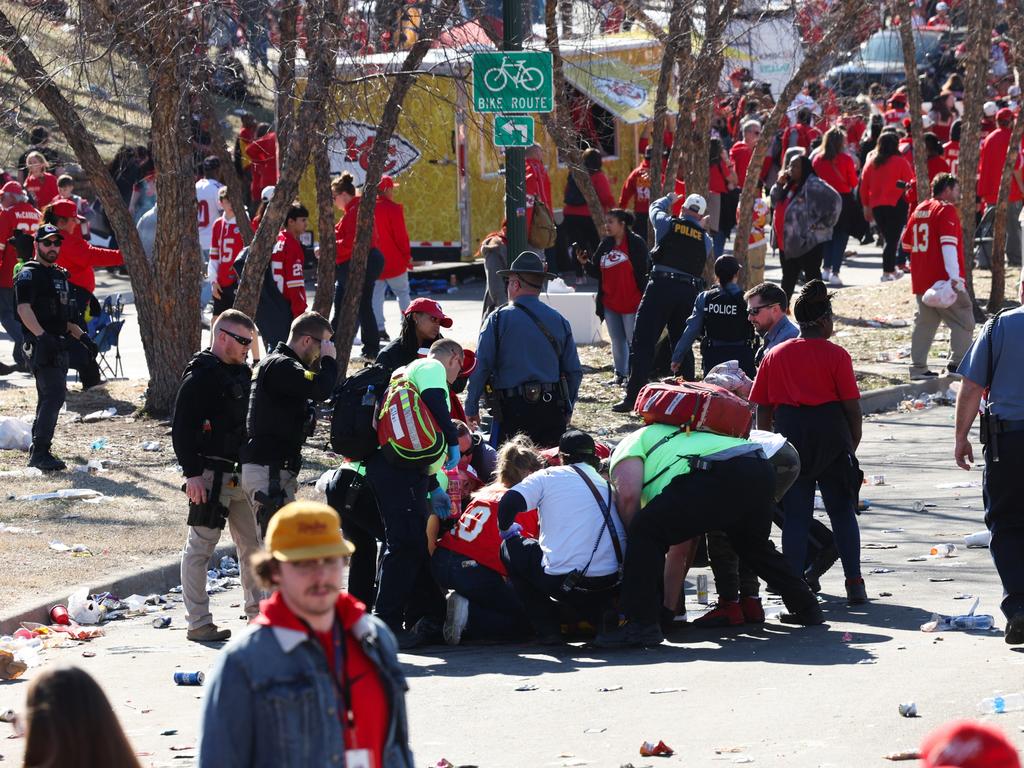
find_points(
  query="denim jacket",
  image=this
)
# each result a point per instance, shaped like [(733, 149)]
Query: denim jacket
[(270, 701)]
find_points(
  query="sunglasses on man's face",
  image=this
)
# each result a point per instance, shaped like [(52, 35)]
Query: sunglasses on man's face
[(245, 341), (52, 242), (755, 311)]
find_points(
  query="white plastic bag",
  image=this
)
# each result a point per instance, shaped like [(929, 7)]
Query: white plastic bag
[(942, 295), (558, 286), (82, 609), (15, 434), (730, 376)]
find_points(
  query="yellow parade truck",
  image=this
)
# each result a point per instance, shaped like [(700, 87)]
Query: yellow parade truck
[(449, 172)]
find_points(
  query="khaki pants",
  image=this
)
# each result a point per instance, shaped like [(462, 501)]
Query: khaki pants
[(256, 477), (959, 318), (201, 543)]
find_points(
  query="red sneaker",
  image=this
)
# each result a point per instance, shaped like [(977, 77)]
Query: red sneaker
[(725, 614), (753, 611)]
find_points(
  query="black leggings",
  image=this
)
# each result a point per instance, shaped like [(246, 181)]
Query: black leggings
[(890, 220), (809, 264)]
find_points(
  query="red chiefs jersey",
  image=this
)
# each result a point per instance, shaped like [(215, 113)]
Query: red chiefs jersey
[(475, 535), (951, 152), (225, 245), (286, 267), (20, 216), (932, 224)]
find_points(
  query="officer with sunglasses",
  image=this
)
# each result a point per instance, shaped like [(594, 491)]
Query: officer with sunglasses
[(52, 342), (208, 432)]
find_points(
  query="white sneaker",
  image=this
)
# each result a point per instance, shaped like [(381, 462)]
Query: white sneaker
[(888, 277), (834, 281), (456, 618), (826, 275)]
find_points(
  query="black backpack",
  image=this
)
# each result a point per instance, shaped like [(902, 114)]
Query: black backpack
[(354, 423), (573, 195)]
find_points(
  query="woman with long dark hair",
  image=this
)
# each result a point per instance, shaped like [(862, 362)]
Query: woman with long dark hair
[(620, 265), (806, 390), (422, 322), (806, 210), (69, 722), (577, 225), (885, 178), (834, 165)]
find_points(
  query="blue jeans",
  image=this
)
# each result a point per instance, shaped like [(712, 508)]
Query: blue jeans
[(835, 249), (718, 240), (399, 286), (620, 329), (798, 508), (495, 612), (368, 330)]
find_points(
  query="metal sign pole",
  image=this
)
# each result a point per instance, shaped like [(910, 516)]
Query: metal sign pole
[(515, 157)]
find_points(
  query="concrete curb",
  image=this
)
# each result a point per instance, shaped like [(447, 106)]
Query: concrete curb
[(887, 398), (154, 580)]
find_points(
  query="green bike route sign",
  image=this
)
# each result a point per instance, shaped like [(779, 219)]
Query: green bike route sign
[(513, 81)]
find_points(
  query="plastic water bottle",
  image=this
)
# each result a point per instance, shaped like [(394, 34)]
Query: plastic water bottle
[(943, 550), (997, 705), (99, 444), (981, 621)]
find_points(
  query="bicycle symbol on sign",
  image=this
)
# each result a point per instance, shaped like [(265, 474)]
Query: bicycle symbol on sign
[(516, 73)]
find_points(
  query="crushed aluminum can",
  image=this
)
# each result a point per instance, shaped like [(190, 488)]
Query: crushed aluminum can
[(161, 622), (189, 678), (909, 709)]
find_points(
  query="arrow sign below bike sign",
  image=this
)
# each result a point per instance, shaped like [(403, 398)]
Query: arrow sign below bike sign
[(516, 81), (513, 131)]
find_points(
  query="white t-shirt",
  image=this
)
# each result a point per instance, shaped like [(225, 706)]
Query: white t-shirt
[(207, 194), (570, 520)]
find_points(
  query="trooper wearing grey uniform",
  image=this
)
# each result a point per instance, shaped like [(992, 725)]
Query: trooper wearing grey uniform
[(995, 362), (526, 361)]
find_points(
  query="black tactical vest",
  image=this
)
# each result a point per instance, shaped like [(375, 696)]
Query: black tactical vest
[(682, 248), (725, 317), (225, 388), (52, 301)]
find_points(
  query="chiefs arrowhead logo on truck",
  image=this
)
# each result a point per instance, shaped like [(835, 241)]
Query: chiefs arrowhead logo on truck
[(349, 150)]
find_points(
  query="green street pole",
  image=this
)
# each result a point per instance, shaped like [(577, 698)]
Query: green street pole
[(515, 157)]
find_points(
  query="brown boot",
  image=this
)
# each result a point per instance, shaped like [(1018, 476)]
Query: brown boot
[(208, 633)]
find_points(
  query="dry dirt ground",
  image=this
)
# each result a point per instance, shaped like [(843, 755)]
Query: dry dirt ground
[(141, 517)]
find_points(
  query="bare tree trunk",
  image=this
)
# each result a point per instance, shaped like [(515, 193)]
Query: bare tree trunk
[(914, 103), (837, 33), (676, 26), (285, 80), (635, 10), (308, 113), (559, 124), (229, 175), (997, 291), (400, 85), (979, 14), (684, 120), (325, 271)]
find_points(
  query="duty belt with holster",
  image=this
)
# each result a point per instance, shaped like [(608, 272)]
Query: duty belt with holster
[(991, 426), (683, 277), (531, 391), (211, 513), (273, 499)]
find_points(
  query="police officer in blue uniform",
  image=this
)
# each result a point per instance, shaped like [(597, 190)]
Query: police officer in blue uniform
[(995, 362), (54, 343), (526, 361), (682, 250), (719, 320)]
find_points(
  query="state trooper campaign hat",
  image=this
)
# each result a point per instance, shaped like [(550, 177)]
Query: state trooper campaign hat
[(527, 263)]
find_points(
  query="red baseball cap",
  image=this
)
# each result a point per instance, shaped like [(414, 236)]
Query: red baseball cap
[(386, 183), (65, 209), (1005, 115), (430, 307), (468, 362), (12, 188), (967, 744)]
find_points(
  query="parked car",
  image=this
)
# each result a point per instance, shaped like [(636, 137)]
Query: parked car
[(880, 60)]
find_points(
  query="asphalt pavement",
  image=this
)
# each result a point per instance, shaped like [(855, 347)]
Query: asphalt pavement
[(770, 695)]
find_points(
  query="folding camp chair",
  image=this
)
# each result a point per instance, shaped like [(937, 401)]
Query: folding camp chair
[(107, 340)]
